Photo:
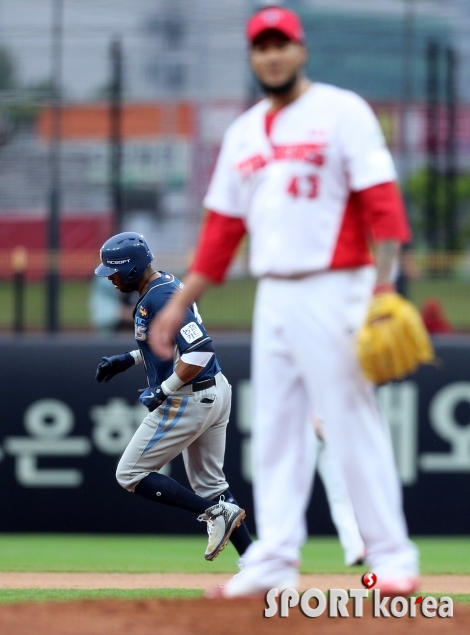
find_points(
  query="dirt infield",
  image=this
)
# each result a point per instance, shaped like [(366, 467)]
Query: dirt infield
[(200, 617), (444, 584)]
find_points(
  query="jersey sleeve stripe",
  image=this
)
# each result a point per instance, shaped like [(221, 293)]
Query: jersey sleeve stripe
[(196, 345)]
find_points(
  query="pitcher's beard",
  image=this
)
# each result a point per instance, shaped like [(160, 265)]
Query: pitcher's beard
[(280, 89)]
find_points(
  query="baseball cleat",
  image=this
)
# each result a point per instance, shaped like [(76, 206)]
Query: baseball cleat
[(218, 592), (221, 520), (248, 585), (398, 587), (244, 585)]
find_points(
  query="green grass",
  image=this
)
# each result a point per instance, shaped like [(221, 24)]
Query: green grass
[(132, 554), (140, 554), (453, 294), (459, 598), (73, 305), (228, 306), (14, 596), (10, 596), (445, 555), (167, 554), (231, 305)]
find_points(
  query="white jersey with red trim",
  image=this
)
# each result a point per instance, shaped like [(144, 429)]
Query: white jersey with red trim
[(292, 187)]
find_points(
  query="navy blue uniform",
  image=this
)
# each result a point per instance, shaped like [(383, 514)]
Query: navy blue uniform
[(191, 420), (191, 337)]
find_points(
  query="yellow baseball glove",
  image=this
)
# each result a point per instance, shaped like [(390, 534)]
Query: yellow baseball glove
[(393, 341)]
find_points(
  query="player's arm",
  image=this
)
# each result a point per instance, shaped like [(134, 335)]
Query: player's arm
[(386, 253), (383, 213), (111, 366), (393, 340), (220, 236), (188, 367), (195, 285), (171, 317), (187, 372), (372, 176), (218, 243)]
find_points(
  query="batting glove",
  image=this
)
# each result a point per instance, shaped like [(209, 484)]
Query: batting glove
[(111, 366), (153, 397)]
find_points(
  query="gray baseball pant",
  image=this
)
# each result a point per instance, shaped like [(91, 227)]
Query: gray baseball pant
[(192, 423)]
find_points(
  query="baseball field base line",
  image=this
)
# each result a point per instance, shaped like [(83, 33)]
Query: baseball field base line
[(455, 584)]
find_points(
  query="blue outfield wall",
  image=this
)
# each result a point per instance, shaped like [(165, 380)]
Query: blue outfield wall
[(62, 434)]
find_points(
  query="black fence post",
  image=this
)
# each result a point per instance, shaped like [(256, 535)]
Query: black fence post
[(115, 140), (53, 242), (451, 197), (432, 143), (19, 261)]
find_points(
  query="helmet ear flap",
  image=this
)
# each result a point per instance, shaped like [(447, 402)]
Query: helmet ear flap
[(131, 274)]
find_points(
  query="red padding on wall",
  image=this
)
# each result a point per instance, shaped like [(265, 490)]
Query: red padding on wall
[(76, 232), (81, 237)]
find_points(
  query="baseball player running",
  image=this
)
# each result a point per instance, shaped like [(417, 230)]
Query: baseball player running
[(188, 399), (307, 174)]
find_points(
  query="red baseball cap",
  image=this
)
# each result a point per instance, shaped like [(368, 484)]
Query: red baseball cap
[(277, 19)]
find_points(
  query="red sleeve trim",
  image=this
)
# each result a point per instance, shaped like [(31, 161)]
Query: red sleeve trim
[(374, 214), (219, 239), (383, 212)]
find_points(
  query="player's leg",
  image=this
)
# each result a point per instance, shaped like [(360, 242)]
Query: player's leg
[(331, 308), (204, 459), (341, 508), (282, 450), (204, 456), (164, 434), (138, 468)]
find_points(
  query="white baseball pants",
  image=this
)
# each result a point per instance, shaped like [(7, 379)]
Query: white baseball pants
[(339, 502), (304, 361)]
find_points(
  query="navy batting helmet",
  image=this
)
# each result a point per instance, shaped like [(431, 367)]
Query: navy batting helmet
[(126, 254)]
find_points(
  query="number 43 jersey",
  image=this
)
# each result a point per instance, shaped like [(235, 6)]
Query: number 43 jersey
[(190, 337), (291, 177)]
